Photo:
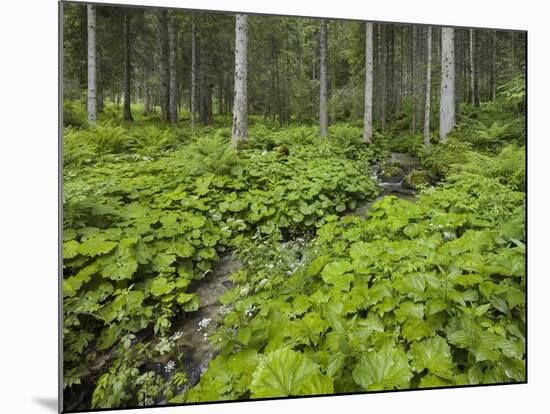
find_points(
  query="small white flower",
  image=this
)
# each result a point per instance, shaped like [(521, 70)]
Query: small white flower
[(249, 311), (176, 336), (447, 235), (203, 324), (244, 291), (169, 367), (263, 282)]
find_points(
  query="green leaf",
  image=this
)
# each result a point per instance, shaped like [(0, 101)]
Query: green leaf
[(286, 372), (70, 249), (378, 292), (317, 265), (190, 302), (244, 335), (433, 354), (415, 329), (482, 309), (409, 310), (434, 306), (433, 381), (108, 337), (385, 368), (183, 249), (359, 250), (335, 364), (123, 268), (95, 246), (515, 297), (161, 286), (238, 205), (335, 273), (209, 239)]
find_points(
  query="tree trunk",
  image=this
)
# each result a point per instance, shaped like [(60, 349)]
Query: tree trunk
[(428, 87), (323, 119), (476, 65), (193, 76), (413, 76), (494, 66), (367, 132), (383, 64), (472, 67), (127, 69), (391, 71), (173, 93), (240, 105), (92, 66), (146, 90), (164, 66), (447, 93)]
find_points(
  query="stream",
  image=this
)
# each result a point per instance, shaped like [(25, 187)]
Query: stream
[(195, 327), (190, 333)]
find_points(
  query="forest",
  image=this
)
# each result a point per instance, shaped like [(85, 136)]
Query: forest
[(270, 206)]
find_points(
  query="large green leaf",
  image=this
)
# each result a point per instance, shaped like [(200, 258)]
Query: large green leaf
[(317, 265), (161, 286), (335, 273), (385, 368), (433, 354), (70, 249), (286, 372), (95, 246), (120, 269)]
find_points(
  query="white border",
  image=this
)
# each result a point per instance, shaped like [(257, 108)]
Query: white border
[(28, 171)]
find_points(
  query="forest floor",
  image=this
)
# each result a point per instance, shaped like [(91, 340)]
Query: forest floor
[(194, 272)]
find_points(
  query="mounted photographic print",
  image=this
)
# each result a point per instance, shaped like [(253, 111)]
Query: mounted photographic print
[(261, 206)]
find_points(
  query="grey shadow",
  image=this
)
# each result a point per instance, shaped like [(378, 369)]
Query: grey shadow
[(49, 403)]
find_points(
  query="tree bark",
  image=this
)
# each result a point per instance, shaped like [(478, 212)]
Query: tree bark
[(323, 118), (413, 77), (472, 67), (428, 87), (193, 76), (240, 105), (147, 106), (494, 66), (476, 65), (173, 93), (382, 70), (447, 92), (367, 132), (127, 69), (164, 67), (92, 66)]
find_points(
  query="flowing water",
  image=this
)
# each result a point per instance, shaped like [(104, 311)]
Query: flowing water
[(195, 327), (390, 183)]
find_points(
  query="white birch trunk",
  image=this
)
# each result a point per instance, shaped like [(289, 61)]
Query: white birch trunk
[(447, 99), (164, 66), (323, 118), (193, 77), (92, 66), (472, 67), (367, 131), (414, 76), (127, 69), (173, 90), (240, 106), (428, 87)]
